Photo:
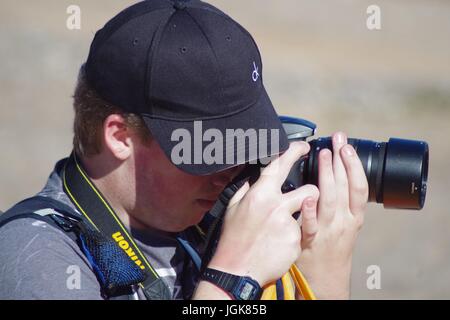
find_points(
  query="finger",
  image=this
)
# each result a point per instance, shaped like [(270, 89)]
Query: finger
[(327, 187), (294, 199), (340, 175), (274, 175), (357, 180), (239, 194), (309, 222)]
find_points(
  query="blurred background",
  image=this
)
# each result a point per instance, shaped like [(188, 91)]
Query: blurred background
[(321, 63)]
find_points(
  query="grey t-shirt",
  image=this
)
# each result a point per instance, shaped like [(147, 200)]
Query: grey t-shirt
[(40, 261)]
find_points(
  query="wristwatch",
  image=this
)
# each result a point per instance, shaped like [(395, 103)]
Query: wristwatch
[(239, 287)]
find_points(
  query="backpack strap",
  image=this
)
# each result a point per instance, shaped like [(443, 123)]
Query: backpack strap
[(45, 209), (114, 271)]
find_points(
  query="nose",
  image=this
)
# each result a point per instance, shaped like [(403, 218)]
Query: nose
[(221, 179)]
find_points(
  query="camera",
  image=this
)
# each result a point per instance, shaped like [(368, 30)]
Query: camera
[(396, 170)]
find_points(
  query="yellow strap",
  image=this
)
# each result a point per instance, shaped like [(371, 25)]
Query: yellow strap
[(292, 281), (270, 292), (301, 283), (288, 287)]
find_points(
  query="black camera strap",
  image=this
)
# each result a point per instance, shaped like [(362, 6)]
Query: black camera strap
[(249, 174), (100, 214)]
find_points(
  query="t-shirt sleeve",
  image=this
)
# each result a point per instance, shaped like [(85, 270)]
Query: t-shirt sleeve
[(39, 261)]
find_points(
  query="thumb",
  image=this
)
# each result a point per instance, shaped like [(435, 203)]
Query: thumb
[(239, 195)]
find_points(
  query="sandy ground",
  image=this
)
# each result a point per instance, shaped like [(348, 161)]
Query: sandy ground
[(320, 63)]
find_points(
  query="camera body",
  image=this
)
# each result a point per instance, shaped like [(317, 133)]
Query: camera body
[(396, 170)]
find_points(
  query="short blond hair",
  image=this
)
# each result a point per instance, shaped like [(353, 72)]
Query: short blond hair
[(90, 112)]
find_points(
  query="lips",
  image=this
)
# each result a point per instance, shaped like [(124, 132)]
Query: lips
[(209, 199)]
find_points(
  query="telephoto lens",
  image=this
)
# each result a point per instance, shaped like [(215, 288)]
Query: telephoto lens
[(396, 170)]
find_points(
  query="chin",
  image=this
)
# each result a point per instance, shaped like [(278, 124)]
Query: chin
[(183, 225), (188, 217), (197, 216)]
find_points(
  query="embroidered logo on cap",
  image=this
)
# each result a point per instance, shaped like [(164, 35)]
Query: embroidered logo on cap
[(255, 74)]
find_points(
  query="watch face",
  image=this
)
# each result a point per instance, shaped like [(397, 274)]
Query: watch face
[(247, 291)]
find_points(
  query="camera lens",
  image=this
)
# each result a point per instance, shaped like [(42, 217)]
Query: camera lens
[(396, 171)]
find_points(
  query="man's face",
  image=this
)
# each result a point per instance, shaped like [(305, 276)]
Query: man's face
[(168, 198)]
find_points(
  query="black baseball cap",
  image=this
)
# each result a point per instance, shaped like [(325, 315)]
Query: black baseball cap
[(181, 63)]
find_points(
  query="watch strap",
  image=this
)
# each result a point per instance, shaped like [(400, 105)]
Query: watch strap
[(239, 287), (226, 281)]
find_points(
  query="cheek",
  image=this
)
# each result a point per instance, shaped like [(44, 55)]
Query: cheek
[(164, 185), (172, 191)]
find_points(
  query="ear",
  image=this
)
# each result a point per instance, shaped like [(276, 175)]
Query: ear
[(117, 137)]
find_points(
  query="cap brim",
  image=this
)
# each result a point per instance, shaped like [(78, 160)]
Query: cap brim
[(198, 159)]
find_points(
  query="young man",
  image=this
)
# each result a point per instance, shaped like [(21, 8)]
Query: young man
[(157, 67)]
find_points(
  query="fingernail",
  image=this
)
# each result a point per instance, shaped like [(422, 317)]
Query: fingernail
[(303, 144), (325, 154), (340, 137), (309, 202), (348, 150)]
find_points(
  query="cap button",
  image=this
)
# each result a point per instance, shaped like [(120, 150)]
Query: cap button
[(180, 4)]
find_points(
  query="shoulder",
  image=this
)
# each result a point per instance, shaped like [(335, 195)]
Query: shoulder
[(40, 261)]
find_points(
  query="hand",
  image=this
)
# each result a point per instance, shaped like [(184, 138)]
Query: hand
[(260, 238), (330, 225)]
